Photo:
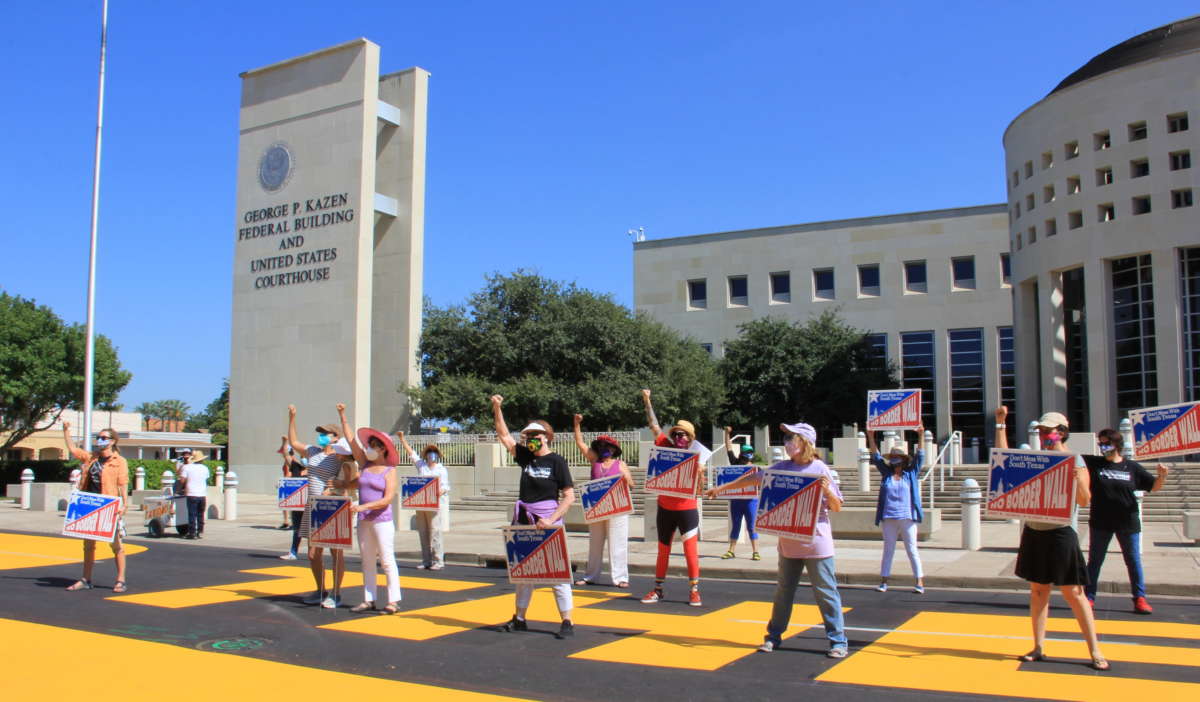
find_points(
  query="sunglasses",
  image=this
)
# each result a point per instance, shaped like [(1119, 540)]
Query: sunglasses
[(679, 434)]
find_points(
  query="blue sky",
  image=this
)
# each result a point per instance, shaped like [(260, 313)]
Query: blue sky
[(554, 127)]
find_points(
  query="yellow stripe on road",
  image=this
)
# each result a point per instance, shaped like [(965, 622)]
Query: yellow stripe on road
[(24, 551)]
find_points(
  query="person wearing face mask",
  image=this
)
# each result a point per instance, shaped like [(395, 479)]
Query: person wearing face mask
[(794, 555), (898, 508), (605, 456), (105, 472), (429, 524), (544, 476), (1049, 553), (1114, 512), (676, 513), (325, 466), (742, 509)]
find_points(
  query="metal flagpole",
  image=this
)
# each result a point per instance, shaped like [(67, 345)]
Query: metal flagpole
[(89, 364)]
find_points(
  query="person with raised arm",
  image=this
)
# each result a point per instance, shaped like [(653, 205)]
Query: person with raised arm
[(898, 507), (676, 513), (429, 524), (106, 472), (1049, 553), (544, 477), (604, 454), (742, 509), (292, 468)]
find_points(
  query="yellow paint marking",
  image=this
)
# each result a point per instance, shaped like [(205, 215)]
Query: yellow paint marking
[(288, 580), (36, 650), (23, 551), (972, 653)]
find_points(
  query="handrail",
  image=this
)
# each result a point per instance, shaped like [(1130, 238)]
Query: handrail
[(939, 463)]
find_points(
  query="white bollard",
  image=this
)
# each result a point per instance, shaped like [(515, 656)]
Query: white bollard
[(1035, 439), (231, 488), (75, 475), (929, 445), (26, 488), (220, 479), (1126, 428), (972, 497), (139, 478), (864, 470), (168, 482)]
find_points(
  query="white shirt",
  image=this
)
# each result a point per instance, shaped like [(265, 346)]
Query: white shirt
[(437, 469), (197, 479)]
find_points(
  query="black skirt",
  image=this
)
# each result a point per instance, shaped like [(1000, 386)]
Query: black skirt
[(1051, 557)]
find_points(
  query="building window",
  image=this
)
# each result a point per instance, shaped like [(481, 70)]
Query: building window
[(1047, 160), (1106, 212), (738, 291), (697, 294), (707, 348), (1075, 219), (1177, 123), (1134, 352), (917, 370), (876, 348), (1028, 169), (1070, 150), (1018, 210), (1104, 176), (868, 280), (1181, 198), (1016, 178), (915, 280), (781, 287), (1074, 185), (1032, 232), (1101, 141), (1008, 375), (1075, 336), (1030, 202), (1139, 168), (823, 284), (1181, 160), (1005, 269), (1048, 193), (1189, 291), (1019, 245), (1137, 131), (966, 382), (1051, 227), (963, 270), (1140, 204)]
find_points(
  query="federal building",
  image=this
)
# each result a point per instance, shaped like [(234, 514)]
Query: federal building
[(1080, 294)]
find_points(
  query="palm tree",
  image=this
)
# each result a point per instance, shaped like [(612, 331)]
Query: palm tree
[(173, 411), (148, 410)]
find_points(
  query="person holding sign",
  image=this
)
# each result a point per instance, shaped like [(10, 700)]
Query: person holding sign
[(605, 456), (676, 513), (795, 555), (292, 468), (105, 472), (544, 476), (1049, 553), (743, 509), (325, 465), (899, 505), (429, 524), (1115, 512)]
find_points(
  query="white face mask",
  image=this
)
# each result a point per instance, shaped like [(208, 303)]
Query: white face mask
[(372, 454)]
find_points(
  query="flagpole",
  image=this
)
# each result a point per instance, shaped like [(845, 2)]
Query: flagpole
[(89, 364)]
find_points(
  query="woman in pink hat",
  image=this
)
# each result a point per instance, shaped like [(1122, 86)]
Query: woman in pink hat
[(376, 483), (605, 456)]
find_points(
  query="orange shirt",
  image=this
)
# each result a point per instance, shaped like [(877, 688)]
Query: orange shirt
[(114, 472)]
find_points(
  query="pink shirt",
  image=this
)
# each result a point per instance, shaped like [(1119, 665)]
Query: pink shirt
[(599, 471), (822, 542)]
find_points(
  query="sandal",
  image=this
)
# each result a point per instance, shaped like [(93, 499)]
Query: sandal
[(727, 555), (623, 586), (1099, 664), (81, 584), (1033, 656), (119, 587), (582, 581), (392, 608), (362, 607)]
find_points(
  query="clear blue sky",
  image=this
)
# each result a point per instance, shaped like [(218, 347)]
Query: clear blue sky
[(553, 128)]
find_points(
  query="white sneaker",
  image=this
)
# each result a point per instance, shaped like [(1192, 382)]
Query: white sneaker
[(882, 587), (314, 598), (288, 557), (436, 566), (331, 602)]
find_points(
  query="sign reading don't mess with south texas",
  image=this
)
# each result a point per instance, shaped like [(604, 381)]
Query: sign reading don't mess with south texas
[(537, 556), (673, 472), (788, 505), (332, 523), (605, 498), (1169, 430), (1037, 485)]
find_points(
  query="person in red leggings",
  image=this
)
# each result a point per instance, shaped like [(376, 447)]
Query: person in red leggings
[(676, 513)]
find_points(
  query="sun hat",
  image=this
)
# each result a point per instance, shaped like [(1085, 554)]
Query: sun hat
[(684, 426), (390, 456), (197, 456), (606, 439), (328, 429), (802, 429), (1053, 420), (539, 427), (898, 450)]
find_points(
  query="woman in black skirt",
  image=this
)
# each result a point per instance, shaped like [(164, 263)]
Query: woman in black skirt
[(1049, 554)]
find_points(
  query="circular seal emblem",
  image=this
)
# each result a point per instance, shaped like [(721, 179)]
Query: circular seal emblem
[(275, 167)]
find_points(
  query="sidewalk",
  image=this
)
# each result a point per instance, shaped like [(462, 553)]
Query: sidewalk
[(1171, 562)]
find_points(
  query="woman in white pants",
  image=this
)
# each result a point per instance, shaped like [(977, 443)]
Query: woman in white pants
[(376, 484), (429, 524), (605, 456), (898, 509)]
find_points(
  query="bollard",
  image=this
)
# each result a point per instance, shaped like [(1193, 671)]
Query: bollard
[(972, 498), (975, 450), (928, 444), (220, 479), (75, 475), (26, 488), (1126, 428), (168, 482), (864, 470), (1035, 439), (837, 480), (231, 487), (139, 478)]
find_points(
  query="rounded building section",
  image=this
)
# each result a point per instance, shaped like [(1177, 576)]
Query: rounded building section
[(1105, 234)]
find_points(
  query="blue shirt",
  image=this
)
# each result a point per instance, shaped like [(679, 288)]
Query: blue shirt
[(897, 497)]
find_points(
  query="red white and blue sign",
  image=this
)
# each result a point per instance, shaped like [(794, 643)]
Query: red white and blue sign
[(420, 492), (537, 556), (332, 523), (893, 409), (789, 505), (723, 475), (1037, 485), (293, 494), (673, 472), (1169, 430), (605, 498), (92, 516)]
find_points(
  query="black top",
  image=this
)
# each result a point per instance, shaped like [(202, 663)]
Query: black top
[(737, 460), (542, 477), (296, 468), (1114, 507)]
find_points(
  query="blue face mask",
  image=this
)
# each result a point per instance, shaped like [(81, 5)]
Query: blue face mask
[(431, 457), (1105, 448), (324, 440), (604, 453), (895, 461)]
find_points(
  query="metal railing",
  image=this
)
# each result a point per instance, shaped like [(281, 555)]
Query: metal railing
[(946, 458), (564, 445), (459, 449)]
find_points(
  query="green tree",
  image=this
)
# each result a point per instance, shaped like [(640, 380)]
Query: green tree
[(818, 372), (552, 350), (148, 410), (215, 417), (173, 411), (42, 368)]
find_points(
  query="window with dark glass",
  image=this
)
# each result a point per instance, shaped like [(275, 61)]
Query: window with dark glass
[(1134, 347), (963, 270), (1008, 377), (1005, 269), (823, 284), (915, 280), (868, 280), (781, 287), (1075, 333), (966, 382), (739, 294), (1189, 298), (918, 370), (697, 293)]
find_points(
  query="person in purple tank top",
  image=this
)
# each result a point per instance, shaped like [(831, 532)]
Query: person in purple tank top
[(605, 456), (376, 484)]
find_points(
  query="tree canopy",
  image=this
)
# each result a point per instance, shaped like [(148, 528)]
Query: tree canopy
[(817, 371), (553, 350), (42, 368), (214, 418)]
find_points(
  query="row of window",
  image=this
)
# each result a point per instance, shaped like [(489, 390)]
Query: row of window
[(1138, 168), (916, 281), (1105, 212), (1101, 141)]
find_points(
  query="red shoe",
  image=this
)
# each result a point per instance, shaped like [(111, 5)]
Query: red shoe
[(694, 597), (1141, 606), (653, 596)]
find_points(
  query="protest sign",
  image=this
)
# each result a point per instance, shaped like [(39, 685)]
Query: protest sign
[(789, 504), (1168, 430), (893, 409), (723, 475), (332, 523), (292, 494), (673, 472), (1037, 485), (605, 498), (92, 516), (420, 492), (537, 556)]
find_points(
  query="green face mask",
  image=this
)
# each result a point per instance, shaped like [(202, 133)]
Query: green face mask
[(534, 443)]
